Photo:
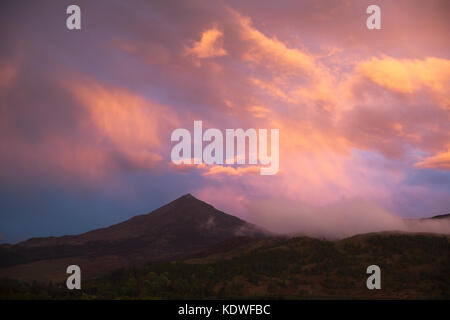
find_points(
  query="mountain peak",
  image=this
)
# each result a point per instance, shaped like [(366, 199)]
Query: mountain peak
[(191, 206), (186, 197)]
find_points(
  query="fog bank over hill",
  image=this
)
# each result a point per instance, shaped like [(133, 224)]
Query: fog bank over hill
[(336, 221)]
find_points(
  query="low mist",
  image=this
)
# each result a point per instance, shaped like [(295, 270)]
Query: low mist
[(336, 221)]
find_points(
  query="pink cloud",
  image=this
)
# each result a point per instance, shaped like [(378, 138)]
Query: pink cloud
[(130, 123), (217, 170)]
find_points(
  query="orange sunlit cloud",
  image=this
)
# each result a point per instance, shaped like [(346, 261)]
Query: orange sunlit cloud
[(439, 161), (209, 46), (409, 76)]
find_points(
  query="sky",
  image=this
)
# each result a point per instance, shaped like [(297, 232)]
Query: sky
[(86, 115)]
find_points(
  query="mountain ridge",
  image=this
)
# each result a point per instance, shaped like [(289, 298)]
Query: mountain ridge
[(176, 208), (179, 228)]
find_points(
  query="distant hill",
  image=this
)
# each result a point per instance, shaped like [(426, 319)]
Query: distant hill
[(182, 227), (442, 216)]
